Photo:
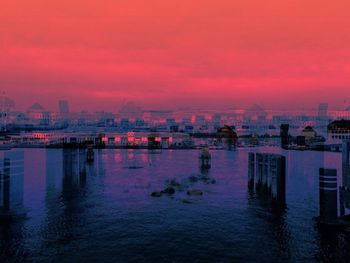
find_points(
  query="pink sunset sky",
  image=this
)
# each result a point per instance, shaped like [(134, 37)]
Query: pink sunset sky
[(175, 53)]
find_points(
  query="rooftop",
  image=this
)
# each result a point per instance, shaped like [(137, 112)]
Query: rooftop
[(339, 124)]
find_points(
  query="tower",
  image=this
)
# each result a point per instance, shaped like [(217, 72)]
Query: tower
[(284, 133)]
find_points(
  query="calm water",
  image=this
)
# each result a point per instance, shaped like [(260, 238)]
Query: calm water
[(104, 212)]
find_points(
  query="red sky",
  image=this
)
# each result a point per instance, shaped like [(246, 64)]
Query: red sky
[(175, 53)]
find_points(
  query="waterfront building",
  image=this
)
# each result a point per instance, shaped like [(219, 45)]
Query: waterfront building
[(309, 134), (227, 136), (338, 131), (63, 107), (284, 135)]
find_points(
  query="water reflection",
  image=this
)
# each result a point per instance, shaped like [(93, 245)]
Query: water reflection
[(12, 212), (333, 246), (12, 242), (273, 220), (103, 211), (11, 185), (74, 169), (67, 190)]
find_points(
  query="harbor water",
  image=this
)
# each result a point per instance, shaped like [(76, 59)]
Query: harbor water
[(104, 212)]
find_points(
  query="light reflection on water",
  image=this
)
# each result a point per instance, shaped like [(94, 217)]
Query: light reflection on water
[(104, 212)]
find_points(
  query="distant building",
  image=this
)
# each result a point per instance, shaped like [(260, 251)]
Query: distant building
[(6, 107), (63, 107), (338, 131), (228, 136), (106, 119), (323, 110), (284, 133), (38, 115), (216, 120), (35, 111), (131, 111), (309, 133), (256, 113), (200, 119)]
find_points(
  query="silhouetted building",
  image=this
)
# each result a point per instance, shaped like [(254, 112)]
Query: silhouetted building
[(284, 133), (338, 131), (227, 135), (310, 136)]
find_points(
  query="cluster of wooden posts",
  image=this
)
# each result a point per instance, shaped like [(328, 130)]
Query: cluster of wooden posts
[(267, 174)]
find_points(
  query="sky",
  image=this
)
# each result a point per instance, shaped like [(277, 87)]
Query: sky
[(167, 54)]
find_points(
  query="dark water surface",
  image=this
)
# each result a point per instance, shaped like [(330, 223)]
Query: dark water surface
[(104, 212)]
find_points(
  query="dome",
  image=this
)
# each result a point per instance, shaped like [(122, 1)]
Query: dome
[(308, 129), (36, 107), (227, 132)]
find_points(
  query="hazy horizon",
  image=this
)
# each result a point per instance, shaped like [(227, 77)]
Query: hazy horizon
[(116, 107)]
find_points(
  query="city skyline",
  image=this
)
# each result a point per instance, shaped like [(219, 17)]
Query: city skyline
[(174, 54), (57, 104)]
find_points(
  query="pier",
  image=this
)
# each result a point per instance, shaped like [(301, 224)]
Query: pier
[(267, 174)]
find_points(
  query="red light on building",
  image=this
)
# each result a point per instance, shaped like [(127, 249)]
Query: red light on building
[(131, 134)]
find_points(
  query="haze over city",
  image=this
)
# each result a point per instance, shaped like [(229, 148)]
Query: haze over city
[(173, 54)]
